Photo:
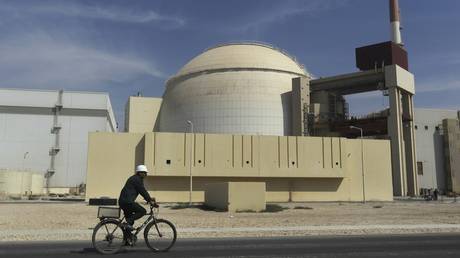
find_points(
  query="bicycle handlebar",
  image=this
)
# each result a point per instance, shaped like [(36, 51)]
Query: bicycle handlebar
[(153, 204)]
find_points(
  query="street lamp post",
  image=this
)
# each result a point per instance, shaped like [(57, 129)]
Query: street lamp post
[(23, 169), (190, 163), (362, 159), (24, 159)]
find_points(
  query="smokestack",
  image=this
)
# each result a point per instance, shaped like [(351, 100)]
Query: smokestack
[(395, 23)]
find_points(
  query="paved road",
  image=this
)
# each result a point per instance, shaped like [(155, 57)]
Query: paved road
[(372, 246)]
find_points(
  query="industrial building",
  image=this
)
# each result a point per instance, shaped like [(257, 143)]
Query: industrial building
[(45, 132), (436, 133), (231, 121), (249, 112)]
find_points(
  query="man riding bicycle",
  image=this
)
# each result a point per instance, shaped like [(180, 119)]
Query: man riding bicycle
[(133, 187), (111, 234)]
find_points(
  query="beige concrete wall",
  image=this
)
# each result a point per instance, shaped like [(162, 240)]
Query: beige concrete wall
[(293, 168), (244, 155), (112, 158), (141, 114), (246, 196), (236, 196)]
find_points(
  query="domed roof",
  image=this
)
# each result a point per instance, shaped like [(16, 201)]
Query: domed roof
[(243, 56)]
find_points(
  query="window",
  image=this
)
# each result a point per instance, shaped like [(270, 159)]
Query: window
[(416, 127), (419, 167), (426, 127)]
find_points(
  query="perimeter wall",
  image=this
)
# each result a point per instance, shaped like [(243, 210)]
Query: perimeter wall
[(293, 168)]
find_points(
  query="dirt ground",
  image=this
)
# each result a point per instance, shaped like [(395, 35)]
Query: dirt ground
[(66, 221)]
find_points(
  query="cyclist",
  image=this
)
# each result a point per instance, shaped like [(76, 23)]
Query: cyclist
[(133, 187)]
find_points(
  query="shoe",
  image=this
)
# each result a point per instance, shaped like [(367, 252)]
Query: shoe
[(127, 226), (130, 241)]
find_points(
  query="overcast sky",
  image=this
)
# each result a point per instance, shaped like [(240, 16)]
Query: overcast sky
[(125, 47)]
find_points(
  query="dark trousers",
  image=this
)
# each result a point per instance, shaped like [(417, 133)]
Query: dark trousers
[(133, 211)]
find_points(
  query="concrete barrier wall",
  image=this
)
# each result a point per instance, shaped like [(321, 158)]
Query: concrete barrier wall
[(169, 154), (245, 196), (236, 196), (112, 158), (293, 168)]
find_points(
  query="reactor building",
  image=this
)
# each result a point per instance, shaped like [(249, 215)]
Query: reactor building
[(232, 89), (250, 113), (244, 113)]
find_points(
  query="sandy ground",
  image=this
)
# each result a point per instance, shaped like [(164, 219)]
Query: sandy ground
[(73, 221)]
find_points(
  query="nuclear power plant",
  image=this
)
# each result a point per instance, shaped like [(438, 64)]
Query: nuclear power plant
[(249, 112), (250, 116)]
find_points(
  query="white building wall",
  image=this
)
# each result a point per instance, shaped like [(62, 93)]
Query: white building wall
[(26, 120), (430, 146), (25, 141)]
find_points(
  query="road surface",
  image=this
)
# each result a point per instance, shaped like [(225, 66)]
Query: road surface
[(432, 245)]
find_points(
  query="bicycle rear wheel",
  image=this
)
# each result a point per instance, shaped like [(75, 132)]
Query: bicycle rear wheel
[(160, 235), (108, 237)]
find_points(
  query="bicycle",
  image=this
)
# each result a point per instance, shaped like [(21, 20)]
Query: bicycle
[(110, 236)]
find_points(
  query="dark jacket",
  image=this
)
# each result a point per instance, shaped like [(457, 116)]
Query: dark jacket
[(133, 187)]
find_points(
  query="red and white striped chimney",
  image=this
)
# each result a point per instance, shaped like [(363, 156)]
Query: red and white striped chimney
[(395, 23)]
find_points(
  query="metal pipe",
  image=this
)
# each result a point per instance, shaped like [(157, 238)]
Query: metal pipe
[(362, 160)]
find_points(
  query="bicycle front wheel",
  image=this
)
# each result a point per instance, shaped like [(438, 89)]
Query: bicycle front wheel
[(160, 235), (108, 237)]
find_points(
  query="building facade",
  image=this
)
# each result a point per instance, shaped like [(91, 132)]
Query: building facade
[(432, 159), (451, 128), (47, 132)]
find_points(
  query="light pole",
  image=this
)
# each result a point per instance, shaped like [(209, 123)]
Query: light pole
[(24, 159), (23, 171), (362, 159), (190, 163)]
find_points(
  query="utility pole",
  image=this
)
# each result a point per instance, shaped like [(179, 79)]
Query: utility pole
[(362, 160), (190, 162)]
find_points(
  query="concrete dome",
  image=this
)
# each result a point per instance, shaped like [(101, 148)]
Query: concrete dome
[(233, 88), (245, 55)]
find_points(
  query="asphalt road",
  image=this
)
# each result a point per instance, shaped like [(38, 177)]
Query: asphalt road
[(435, 245)]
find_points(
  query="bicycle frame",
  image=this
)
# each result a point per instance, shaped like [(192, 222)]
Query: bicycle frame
[(147, 221), (151, 217)]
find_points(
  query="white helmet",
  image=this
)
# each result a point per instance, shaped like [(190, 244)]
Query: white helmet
[(141, 168)]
